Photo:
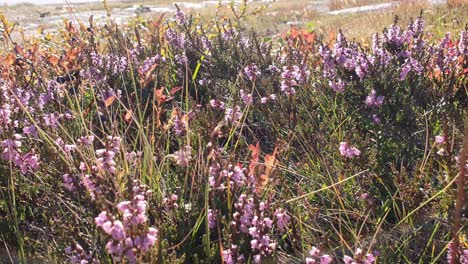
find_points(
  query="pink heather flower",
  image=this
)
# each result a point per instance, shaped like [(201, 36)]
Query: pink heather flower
[(30, 130), (246, 98), (118, 231), (217, 104), (348, 151), (183, 156), (282, 219), (211, 218), (440, 139), (348, 260), (29, 162), (51, 120), (376, 119), (68, 182), (264, 100), (338, 86), (252, 72), (373, 100), (233, 115), (326, 259), (69, 148), (86, 141)]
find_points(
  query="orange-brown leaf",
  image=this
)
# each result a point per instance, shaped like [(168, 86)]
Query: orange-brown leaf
[(255, 154), (53, 60), (10, 59), (128, 116), (175, 90), (109, 101)]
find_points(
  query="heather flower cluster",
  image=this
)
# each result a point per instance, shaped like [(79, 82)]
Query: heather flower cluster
[(77, 255), (316, 257), (361, 258), (129, 237), (348, 151)]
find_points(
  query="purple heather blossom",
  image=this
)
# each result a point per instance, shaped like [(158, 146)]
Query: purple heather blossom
[(180, 17), (77, 255), (31, 131), (204, 82), (252, 72), (183, 156), (233, 115), (463, 43), (130, 238), (440, 139), (86, 141), (376, 119), (338, 86), (282, 219), (246, 98), (316, 257), (211, 218), (68, 182), (348, 151), (411, 64), (179, 125), (217, 104), (373, 100), (360, 258)]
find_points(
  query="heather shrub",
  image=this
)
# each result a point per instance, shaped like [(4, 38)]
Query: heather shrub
[(182, 140)]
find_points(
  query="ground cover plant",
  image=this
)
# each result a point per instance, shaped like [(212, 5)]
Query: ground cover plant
[(182, 140)]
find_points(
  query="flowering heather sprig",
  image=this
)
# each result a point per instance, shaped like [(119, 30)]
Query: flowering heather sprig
[(339, 86), (348, 151), (246, 98), (171, 202), (282, 219), (86, 140), (77, 255), (360, 258), (231, 256), (218, 177), (180, 125), (183, 156), (69, 182), (105, 157), (233, 115), (291, 77), (148, 63), (411, 64), (316, 257), (229, 33), (175, 39), (373, 100), (12, 153), (440, 139), (129, 239), (252, 72), (180, 17), (462, 252), (253, 218), (212, 218), (217, 104), (463, 43)]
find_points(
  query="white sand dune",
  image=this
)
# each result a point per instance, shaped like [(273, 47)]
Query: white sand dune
[(44, 2)]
